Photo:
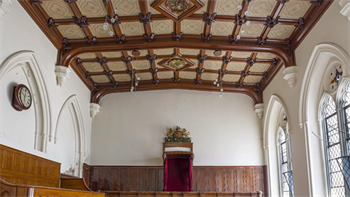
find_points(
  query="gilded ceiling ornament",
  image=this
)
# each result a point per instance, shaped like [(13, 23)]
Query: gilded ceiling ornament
[(177, 63), (178, 135)]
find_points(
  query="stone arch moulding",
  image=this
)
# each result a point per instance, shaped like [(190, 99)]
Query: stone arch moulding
[(323, 56), (72, 104), (272, 109), (27, 61)]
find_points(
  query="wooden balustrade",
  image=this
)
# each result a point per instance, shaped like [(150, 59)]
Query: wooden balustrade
[(184, 194)]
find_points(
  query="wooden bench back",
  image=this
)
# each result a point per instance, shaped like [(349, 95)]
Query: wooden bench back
[(18, 167)]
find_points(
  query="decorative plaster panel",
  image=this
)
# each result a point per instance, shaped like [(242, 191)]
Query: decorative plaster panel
[(295, 9), (165, 74), (93, 67), (71, 31), (122, 77), (212, 65), (112, 54), (265, 56), (162, 26), (100, 78), (261, 8), (281, 31), (253, 30), (189, 51), (87, 55), (144, 76), (231, 78), (222, 28), (227, 7), (126, 7), (259, 67), (192, 26), (144, 64), (117, 66), (150, 9), (132, 28), (235, 66), (187, 75), (204, 8), (164, 51), (98, 31), (252, 79), (92, 8), (241, 54), (57, 9), (209, 76)]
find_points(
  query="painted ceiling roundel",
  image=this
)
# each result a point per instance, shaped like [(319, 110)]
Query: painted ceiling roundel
[(186, 44)]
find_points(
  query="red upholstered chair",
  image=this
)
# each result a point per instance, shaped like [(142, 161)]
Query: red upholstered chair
[(178, 162)]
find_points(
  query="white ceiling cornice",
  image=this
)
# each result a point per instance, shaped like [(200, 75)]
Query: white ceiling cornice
[(345, 11), (4, 7)]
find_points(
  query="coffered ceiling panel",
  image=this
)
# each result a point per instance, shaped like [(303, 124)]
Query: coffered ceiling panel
[(209, 76), (192, 26), (112, 54), (144, 64), (295, 9), (132, 29), (241, 54), (253, 30), (92, 8), (212, 65), (166, 51), (227, 7), (93, 67), (236, 66), (259, 67), (190, 52), (100, 78), (204, 8), (265, 56), (122, 77), (165, 74), (142, 53), (162, 26), (231, 78), (261, 8), (87, 55), (117, 66), (98, 31), (144, 76), (222, 28), (57, 9), (281, 31), (252, 79), (126, 7), (187, 75), (152, 10), (71, 31)]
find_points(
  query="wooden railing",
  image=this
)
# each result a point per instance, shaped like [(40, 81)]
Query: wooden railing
[(185, 194)]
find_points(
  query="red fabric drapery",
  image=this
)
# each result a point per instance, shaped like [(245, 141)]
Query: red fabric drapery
[(178, 174)]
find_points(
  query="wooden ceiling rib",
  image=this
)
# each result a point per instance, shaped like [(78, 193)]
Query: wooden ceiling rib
[(251, 54)]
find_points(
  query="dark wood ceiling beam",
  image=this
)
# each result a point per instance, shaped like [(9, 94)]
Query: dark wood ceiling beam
[(110, 11), (128, 64), (79, 48), (272, 72), (106, 69), (153, 65), (224, 65), (275, 13), (210, 11), (74, 7), (247, 68), (81, 72), (144, 11), (202, 53), (237, 29), (164, 84)]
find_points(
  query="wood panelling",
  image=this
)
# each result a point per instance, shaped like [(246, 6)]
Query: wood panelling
[(74, 183), (18, 167), (179, 194), (205, 178)]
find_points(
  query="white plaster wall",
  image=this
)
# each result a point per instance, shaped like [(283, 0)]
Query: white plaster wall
[(130, 128), (333, 28), (19, 32)]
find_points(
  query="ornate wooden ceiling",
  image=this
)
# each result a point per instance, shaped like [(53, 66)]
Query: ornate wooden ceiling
[(176, 40)]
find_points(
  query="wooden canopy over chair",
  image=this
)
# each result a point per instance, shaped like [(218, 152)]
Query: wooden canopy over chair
[(178, 162)]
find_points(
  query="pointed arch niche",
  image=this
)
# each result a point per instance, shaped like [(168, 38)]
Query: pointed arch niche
[(273, 124), (69, 137), (26, 130), (323, 58)]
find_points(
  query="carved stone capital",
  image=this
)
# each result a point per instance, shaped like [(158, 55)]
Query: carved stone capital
[(290, 74), (94, 109), (4, 7), (345, 11), (259, 109), (62, 73)]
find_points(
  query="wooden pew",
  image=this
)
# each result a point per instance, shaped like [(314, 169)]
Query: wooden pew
[(26, 175), (183, 194)]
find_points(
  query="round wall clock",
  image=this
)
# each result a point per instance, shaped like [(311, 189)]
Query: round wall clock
[(22, 98)]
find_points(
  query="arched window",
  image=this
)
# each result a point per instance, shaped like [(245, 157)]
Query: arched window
[(333, 146), (284, 160)]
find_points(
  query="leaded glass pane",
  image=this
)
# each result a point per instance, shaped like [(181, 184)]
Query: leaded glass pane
[(286, 183)]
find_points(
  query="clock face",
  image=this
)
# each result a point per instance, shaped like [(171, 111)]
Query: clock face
[(24, 97)]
